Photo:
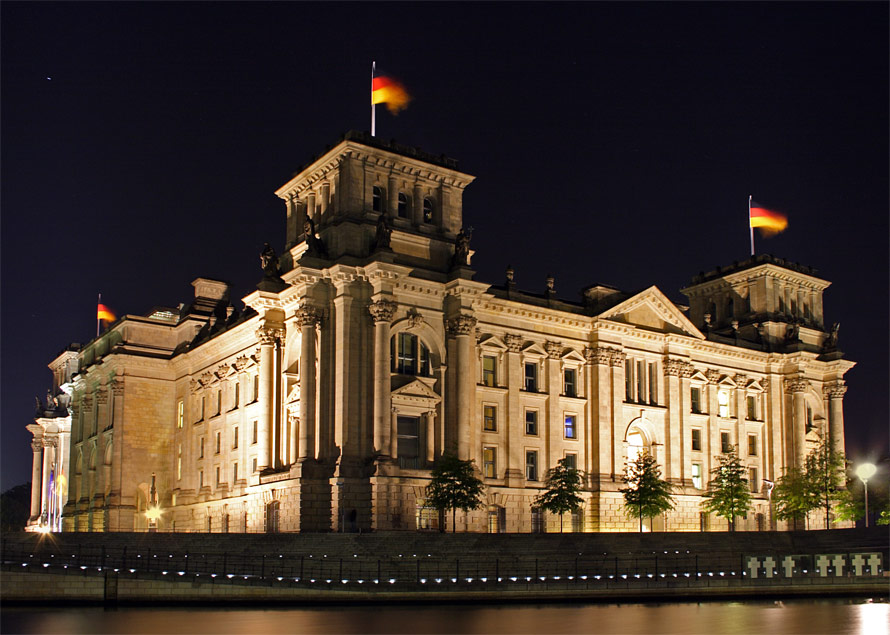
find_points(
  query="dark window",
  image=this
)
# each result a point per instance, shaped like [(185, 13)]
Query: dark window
[(653, 383), (410, 356), (696, 440), (570, 426), (217, 476), (488, 370), (531, 376), (272, 517), (254, 432), (628, 380), (235, 438), (752, 445), (218, 401), (571, 461), (489, 418), (641, 381), (537, 521), (377, 199), (201, 451), (427, 211), (409, 437), (752, 408), (234, 473), (531, 465), (236, 395), (531, 422), (725, 445), (752, 480), (254, 466), (218, 442), (570, 381), (695, 392), (256, 387), (403, 205)]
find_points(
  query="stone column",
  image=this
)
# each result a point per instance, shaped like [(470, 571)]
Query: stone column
[(266, 452), (712, 437), (325, 199), (616, 360), (36, 479), (600, 396), (555, 433), (462, 328), (674, 434), (430, 419), (515, 417), (741, 411), (307, 318), (836, 393), (46, 466), (796, 388), (392, 197), (382, 312)]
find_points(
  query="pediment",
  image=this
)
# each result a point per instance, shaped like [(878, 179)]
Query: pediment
[(534, 349), (416, 390), (699, 376), (651, 309), (728, 382), (755, 384), (294, 394), (573, 356), (492, 342)]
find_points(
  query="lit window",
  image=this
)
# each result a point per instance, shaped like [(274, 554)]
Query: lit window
[(235, 438), (725, 444), (377, 199), (403, 205), (695, 394), (531, 465), (253, 466), (488, 370), (180, 413), (489, 462), (570, 426), (752, 445), (531, 376), (570, 377), (696, 440), (427, 211), (531, 422), (256, 387), (489, 418), (696, 475), (179, 462), (723, 403), (636, 444)]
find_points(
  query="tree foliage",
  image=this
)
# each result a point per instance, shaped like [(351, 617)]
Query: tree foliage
[(454, 486), (563, 485), (825, 474), (15, 507), (727, 494), (793, 496), (819, 484), (646, 493)]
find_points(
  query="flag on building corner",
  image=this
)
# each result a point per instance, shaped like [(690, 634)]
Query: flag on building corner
[(768, 221), (386, 90), (104, 313)]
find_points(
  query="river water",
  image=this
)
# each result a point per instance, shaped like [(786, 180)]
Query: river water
[(866, 616)]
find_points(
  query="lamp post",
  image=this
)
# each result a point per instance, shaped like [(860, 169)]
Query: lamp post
[(865, 471), (153, 513)]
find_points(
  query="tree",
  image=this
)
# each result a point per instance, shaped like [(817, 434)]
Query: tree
[(727, 494), (794, 496), (563, 484), (825, 475), (646, 494), (15, 507), (454, 486)]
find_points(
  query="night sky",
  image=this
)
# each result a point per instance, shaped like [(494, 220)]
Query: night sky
[(612, 143)]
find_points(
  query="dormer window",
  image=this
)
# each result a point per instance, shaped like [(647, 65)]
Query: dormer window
[(403, 205), (377, 199), (427, 211)]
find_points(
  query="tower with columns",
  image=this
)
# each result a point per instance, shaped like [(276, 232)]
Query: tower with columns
[(368, 350)]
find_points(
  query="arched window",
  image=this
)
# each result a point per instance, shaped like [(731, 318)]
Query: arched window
[(409, 355), (272, 511), (636, 444), (377, 199), (427, 211), (403, 205)]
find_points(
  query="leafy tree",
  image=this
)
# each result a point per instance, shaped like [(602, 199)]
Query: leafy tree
[(454, 486), (646, 494), (727, 494), (825, 475), (15, 507), (563, 484), (794, 496)]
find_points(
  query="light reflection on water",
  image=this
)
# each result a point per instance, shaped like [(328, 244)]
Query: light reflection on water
[(859, 616)]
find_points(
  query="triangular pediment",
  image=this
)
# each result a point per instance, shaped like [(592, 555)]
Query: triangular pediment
[(492, 342), (573, 356), (651, 309), (534, 349), (699, 376), (415, 389)]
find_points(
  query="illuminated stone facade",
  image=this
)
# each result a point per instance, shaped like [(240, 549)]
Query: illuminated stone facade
[(368, 349)]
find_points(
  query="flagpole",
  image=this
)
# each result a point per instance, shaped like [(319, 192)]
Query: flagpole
[(373, 107), (750, 226), (98, 321)]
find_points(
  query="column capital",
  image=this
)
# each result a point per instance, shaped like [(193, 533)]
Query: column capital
[(674, 367), (50, 442), (836, 390), (382, 310), (117, 387), (267, 335), (513, 342), (741, 380), (37, 445), (712, 375), (554, 349), (601, 355), (796, 385), (308, 315), (617, 357), (101, 397), (461, 325)]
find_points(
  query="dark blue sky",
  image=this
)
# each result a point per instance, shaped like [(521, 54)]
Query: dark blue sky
[(613, 143)]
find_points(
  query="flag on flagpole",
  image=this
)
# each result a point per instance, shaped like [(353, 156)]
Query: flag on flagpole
[(386, 90), (104, 313), (768, 221)]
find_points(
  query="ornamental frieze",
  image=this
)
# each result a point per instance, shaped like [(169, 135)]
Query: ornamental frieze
[(117, 387), (382, 310), (674, 367), (241, 363), (101, 397), (195, 385), (513, 342), (461, 325)]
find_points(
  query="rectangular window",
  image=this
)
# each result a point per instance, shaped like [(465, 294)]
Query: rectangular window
[(696, 440), (235, 438), (489, 462), (218, 401), (696, 475), (628, 380), (178, 468), (752, 408), (256, 388), (488, 370), (180, 413), (253, 465), (203, 408), (571, 461), (489, 418), (653, 383), (200, 479), (571, 382), (531, 422), (531, 465), (752, 445), (641, 381), (218, 442), (752, 480), (255, 436), (234, 473), (723, 403), (217, 476), (406, 354), (725, 444), (531, 376), (236, 395), (695, 398), (408, 437), (201, 450), (570, 430)]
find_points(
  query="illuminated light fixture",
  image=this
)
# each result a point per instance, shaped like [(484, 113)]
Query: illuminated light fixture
[(637, 576), (438, 580), (24, 564), (392, 580), (83, 568), (312, 580), (213, 575), (328, 581), (132, 570), (178, 572), (624, 576), (513, 578), (45, 565), (280, 578), (469, 579), (596, 577), (583, 577), (423, 580), (163, 573), (865, 471), (556, 577), (341, 581), (454, 579), (484, 579), (361, 581), (230, 575), (542, 578), (376, 581), (528, 578)]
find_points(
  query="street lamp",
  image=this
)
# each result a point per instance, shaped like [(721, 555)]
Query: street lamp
[(153, 513), (865, 471)]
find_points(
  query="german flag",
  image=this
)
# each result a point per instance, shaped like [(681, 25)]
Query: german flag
[(104, 313), (768, 221), (386, 90)]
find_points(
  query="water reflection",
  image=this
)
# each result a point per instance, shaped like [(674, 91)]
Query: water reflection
[(868, 617)]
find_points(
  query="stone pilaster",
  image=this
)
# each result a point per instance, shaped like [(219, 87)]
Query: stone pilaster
[(797, 389), (268, 437), (616, 361), (36, 479), (462, 328), (836, 392), (308, 318), (382, 312)]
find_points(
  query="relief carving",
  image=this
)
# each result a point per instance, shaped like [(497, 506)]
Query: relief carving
[(382, 310), (513, 342), (554, 349), (712, 375), (836, 390), (461, 325), (795, 385), (618, 357)]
